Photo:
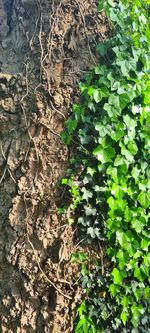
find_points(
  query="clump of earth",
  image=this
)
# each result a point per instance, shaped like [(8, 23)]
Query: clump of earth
[(46, 47)]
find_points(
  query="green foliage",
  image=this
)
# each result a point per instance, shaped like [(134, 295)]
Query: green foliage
[(112, 195), (85, 324)]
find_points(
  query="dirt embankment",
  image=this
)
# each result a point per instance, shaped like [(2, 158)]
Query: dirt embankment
[(45, 48)]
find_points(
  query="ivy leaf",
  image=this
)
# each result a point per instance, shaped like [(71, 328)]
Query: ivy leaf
[(124, 66), (93, 232), (120, 236), (118, 276), (86, 194), (145, 243), (144, 199), (101, 129), (78, 111), (113, 289), (136, 310), (71, 125), (135, 172), (137, 225), (114, 16), (114, 100), (101, 5), (139, 274), (111, 111), (82, 221), (147, 292), (65, 137), (117, 135), (124, 100), (99, 94), (102, 48), (90, 210), (127, 154), (119, 160), (104, 155), (91, 171), (130, 123), (132, 148), (123, 258), (124, 316), (83, 323)]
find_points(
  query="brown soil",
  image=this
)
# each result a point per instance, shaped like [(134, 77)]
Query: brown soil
[(46, 46)]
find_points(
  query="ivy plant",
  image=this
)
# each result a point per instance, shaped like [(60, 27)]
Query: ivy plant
[(111, 195)]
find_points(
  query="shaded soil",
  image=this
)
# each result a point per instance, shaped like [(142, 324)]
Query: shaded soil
[(46, 47)]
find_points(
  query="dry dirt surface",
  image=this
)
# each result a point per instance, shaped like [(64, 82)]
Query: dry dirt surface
[(46, 47)]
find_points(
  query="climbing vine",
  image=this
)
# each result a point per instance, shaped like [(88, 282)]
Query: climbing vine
[(111, 193)]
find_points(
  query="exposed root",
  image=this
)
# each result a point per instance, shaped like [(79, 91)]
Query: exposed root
[(44, 275), (25, 118), (57, 110), (49, 128), (6, 166), (37, 259), (83, 19)]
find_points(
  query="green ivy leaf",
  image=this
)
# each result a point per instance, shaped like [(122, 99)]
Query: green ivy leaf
[(111, 111), (128, 155), (99, 94), (113, 289), (147, 292), (135, 172), (65, 137), (118, 133), (101, 5), (136, 310), (138, 225), (104, 155), (145, 243), (103, 130), (118, 276), (78, 111), (124, 316), (123, 258), (132, 148), (139, 274), (144, 199), (124, 100), (102, 48), (130, 123)]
